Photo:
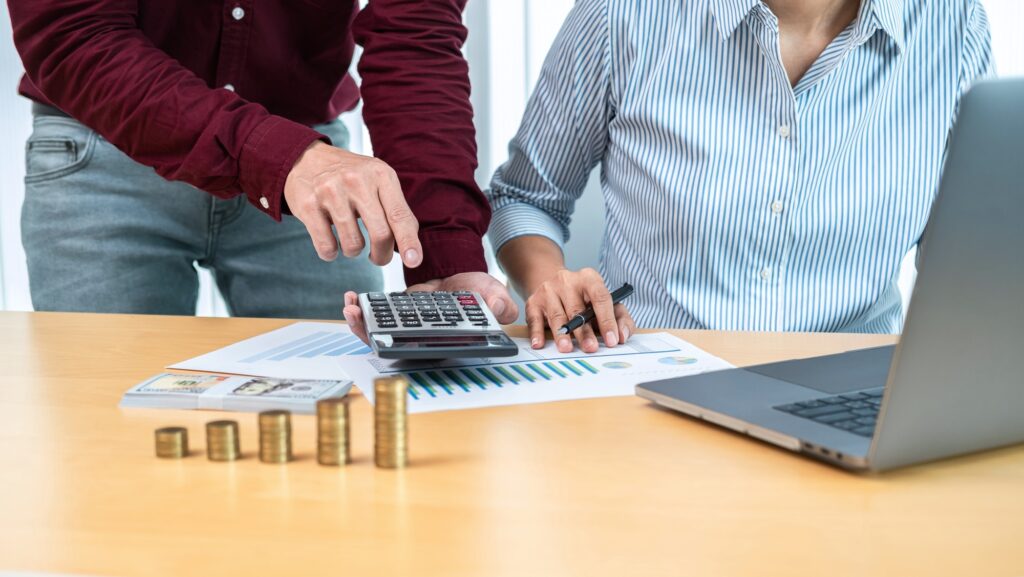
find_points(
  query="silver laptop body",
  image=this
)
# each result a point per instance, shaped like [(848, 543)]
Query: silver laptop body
[(955, 382)]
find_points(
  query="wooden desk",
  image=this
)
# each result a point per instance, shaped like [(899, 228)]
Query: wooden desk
[(597, 487)]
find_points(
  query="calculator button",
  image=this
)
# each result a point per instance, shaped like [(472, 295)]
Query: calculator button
[(388, 325), (374, 297), (462, 294)]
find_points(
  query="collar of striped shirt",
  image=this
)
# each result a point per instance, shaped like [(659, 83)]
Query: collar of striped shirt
[(734, 200), (874, 15)]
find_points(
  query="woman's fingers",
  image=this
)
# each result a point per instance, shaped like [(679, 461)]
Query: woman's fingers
[(604, 308), (627, 327), (535, 323)]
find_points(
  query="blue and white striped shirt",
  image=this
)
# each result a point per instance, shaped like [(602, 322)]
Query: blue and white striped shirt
[(735, 200)]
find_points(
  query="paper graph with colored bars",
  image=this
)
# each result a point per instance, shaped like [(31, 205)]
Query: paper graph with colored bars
[(299, 351), (536, 376)]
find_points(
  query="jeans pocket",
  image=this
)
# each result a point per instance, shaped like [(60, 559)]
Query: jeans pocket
[(51, 154)]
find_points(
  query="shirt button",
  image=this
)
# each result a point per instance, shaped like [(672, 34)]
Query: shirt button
[(238, 13), (784, 131), (230, 87), (264, 202), (766, 273), (777, 207)]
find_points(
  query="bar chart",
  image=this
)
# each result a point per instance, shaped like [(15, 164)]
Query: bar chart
[(321, 343), (468, 379), (304, 350), (535, 376)]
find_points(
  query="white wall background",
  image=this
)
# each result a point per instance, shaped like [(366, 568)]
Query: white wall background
[(507, 44)]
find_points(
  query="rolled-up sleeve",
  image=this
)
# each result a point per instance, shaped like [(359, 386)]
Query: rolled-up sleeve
[(563, 135)]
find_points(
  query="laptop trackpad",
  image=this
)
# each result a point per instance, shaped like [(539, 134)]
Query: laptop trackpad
[(834, 374)]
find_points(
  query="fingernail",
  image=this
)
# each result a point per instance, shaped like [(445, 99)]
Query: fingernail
[(564, 345), (625, 334), (412, 257), (536, 343), (611, 339), (590, 343)]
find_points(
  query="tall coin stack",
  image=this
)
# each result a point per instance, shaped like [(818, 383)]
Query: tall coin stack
[(391, 427), (332, 430), (275, 436), (222, 441), (171, 442)]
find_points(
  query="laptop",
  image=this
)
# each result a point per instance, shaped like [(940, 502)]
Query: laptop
[(954, 384)]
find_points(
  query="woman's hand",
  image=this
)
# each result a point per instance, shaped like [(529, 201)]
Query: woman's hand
[(567, 294)]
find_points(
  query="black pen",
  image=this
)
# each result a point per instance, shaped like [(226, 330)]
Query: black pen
[(586, 316)]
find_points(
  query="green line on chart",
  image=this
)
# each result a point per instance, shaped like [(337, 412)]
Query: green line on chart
[(554, 369), (458, 380), (475, 378), (587, 366), (505, 373), (540, 372), (440, 381), (523, 372), (569, 366), (423, 383), (490, 376)]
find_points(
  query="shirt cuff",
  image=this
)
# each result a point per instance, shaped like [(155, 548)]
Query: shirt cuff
[(268, 156), (447, 253), (521, 219)]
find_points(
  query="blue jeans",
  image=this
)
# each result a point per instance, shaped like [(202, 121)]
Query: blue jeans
[(104, 233)]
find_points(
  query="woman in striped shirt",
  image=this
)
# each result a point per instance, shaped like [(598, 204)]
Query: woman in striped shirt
[(766, 165)]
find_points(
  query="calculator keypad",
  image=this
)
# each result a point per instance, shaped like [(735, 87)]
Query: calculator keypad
[(459, 310)]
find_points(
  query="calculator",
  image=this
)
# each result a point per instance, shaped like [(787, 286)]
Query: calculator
[(433, 325)]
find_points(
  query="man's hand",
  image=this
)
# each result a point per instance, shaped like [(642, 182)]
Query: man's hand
[(329, 185), (493, 292), (565, 295)]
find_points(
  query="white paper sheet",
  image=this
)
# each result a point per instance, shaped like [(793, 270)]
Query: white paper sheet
[(299, 351), (536, 376)]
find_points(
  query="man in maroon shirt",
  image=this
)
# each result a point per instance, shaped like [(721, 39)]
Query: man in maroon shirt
[(240, 99)]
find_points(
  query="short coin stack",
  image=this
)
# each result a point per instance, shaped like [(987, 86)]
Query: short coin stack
[(275, 436), (391, 416), (222, 441), (332, 430), (172, 442)]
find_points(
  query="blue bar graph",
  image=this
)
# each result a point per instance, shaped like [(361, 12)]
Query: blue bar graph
[(320, 344), (454, 381)]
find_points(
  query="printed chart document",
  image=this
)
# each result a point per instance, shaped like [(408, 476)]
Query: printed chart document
[(536, 376), (298, 351), (221, 393)]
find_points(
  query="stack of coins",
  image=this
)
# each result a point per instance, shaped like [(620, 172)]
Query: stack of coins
[(275, 436), (332, 429), (172, 442), (222, 441), (391, 416)]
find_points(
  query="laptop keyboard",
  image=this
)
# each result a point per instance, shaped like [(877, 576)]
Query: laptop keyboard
[(853, 412)]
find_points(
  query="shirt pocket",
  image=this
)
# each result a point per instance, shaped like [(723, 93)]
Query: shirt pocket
[(49, 157)]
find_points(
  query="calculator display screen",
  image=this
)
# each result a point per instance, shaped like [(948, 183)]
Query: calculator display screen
[(442, 341)]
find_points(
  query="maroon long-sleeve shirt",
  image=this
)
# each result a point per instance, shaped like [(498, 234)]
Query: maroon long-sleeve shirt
[(221, 94)]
